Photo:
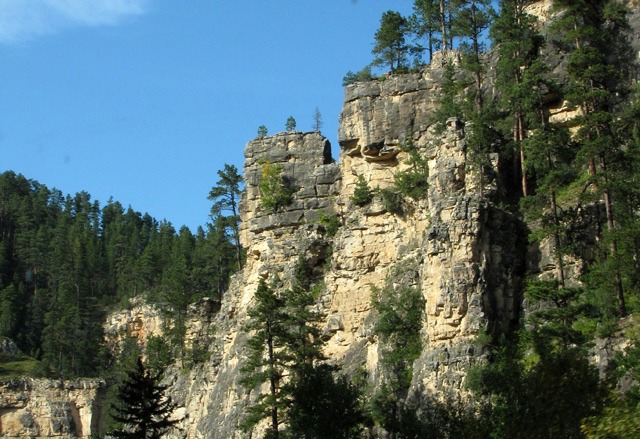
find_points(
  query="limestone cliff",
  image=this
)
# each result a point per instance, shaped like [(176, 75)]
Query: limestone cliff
[(31, 407), (465, 253), (461, 249)]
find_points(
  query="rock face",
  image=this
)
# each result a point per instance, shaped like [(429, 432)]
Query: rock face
[(459, 248), (213, 400), (39, 408), (140, 321)]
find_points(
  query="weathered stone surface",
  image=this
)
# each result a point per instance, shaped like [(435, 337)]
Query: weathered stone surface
[(40, 408), (8, 349), (139, 321), (459, 245)]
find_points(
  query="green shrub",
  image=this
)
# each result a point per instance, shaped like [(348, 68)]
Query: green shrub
[(362, 195), (275, 191), (361, 76), (414, 182), (392, 201), (331, 224)]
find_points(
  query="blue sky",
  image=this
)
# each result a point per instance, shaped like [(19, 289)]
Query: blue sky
[(144, 100)]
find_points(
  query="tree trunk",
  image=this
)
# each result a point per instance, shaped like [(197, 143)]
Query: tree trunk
[(622, 308), (273, 384), (556, 238), (523, 164), (443, 23)]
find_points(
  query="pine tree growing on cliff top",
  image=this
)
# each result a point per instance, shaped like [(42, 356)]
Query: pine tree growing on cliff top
[(390, 46)]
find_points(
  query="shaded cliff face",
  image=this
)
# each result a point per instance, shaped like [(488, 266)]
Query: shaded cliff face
[(463, 249), (454, 244), (51, 408)]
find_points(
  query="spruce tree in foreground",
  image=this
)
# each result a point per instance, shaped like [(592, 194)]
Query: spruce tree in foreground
[(267, 359), (143, 409)]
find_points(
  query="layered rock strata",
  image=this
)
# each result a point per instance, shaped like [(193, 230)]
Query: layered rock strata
[(460, 247), (40, 408)]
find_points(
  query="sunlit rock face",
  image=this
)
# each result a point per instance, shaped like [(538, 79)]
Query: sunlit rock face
[(41, 408), (455, 244)]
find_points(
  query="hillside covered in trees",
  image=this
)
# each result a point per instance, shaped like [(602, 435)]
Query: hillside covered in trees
[(470, 268), (65, 262)]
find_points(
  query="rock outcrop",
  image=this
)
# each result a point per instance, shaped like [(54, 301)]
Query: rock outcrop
[(40, 408), (460, 247)]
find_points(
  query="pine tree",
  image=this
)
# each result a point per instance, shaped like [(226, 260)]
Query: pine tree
[(267, 359), (518, 43), (317, 120), (226, 196), (425, 23), (290, 126), (390, 45), (472, 18), (590, 27), (142, 406)]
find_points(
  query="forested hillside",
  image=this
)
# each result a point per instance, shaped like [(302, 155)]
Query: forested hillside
[(65, 261)]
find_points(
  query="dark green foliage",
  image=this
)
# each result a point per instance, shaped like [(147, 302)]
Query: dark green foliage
[(520, 74), (544, 396), (331, 224), (471, 20), (425, 24), (323, 406), (392, 201), (540, 381), (262, 131), (482, 139), (290, 126), (449, 102), (390, 46), (552, 326), (399, 324), (65, 261), (593, 33), (362, 194), (267, 359), (361, 76), (621, 418), (414, 182), (400, 310), (143, 409), (226, 196), (285, 352), (159, 353)]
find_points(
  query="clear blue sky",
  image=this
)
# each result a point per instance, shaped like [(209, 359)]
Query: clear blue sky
[(144, 100)]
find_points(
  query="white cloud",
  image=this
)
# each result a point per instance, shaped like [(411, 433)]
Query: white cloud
[(25, 19)]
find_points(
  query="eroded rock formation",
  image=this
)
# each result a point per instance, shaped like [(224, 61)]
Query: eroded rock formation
[(461, 248), (31, 407)]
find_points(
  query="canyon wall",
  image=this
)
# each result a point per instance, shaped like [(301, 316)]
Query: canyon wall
[(461, 249)]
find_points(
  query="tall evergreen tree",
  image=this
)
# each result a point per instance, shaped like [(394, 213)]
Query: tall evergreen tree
[(594, 85), (390, 41), (518, 42), (267, 359), (143, 407), (226, 196), (425, 23), (472, 19)]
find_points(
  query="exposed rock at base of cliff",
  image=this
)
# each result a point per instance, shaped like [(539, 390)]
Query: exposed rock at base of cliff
[(39, 408)]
